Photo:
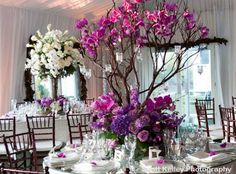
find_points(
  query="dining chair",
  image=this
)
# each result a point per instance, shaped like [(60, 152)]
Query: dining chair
[(73, 120), (44, 131), (83, 129), (21, 151), (212, 131), (4, 170), (233, 100), (228, 123), (7, 127), (210, 107)]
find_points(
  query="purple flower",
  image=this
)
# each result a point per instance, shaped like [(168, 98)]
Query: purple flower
[(133, 129), (104, 103), (61, 155), (120, 125), (223, 145), (159, 162), (81, 23), (150, 105), (93, 163), (46, 101), (212, 153), (204, 31), (134, 95), (171, 6), (143, 135)]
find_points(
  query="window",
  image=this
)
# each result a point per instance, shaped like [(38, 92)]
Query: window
[(192, 83), (67, 86)]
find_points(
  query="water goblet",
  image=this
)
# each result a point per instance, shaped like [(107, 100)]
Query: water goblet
[(130, 145)]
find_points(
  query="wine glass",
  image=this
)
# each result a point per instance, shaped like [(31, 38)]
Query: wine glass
[(66, 107), (130, 145)]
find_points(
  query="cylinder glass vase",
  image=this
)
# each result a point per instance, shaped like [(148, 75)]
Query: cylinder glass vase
[(54, 83)]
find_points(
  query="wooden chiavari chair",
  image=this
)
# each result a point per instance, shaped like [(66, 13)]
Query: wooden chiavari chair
[(83, 129), (73, 120), (228, 123), (21, 151), (44, 131), (7, 127), (210, 107), (214, 132)]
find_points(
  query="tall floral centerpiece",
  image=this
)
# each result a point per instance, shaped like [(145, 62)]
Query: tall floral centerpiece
[(158, 26), (53, 55)]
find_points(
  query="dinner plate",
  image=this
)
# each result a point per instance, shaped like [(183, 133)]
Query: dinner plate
[(168, 166)]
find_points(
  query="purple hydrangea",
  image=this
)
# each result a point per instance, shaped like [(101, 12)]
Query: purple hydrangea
[(120, 125)]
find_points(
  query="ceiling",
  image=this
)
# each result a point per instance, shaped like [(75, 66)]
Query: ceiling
[(71, 8), (91, 9)]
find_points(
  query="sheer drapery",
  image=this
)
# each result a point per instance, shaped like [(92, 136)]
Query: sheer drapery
[(16, 27)]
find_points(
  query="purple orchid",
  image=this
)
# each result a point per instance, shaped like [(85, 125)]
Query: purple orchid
[(61, 155), (159, 162), (223, 145), (212, 153)]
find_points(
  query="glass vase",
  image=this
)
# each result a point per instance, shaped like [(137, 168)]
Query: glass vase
[(54, 83), (169, 143)]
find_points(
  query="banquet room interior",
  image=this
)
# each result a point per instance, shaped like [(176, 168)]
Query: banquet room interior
[(117, 86)]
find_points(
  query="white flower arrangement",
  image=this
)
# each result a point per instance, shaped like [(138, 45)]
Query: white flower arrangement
[(53, 54)]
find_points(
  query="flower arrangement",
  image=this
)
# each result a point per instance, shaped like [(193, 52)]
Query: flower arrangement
[(48, 104), (157, 25), (53, 54), (147, 123)]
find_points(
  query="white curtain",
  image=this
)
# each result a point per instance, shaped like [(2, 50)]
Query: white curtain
[(16, 27), (220, 19)]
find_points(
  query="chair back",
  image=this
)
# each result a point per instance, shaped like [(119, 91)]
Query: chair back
[(4, 170), (210, 107), (228, 123), (7, 127), (43, 127), (202, 118), (21, 151), (73, 120), (233, 100), (83, 129)]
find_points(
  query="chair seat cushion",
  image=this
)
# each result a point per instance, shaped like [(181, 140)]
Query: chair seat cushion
[(216, 134), (42, 146), (215, 127), (2, 149)]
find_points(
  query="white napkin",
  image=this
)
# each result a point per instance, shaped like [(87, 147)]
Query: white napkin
[(70, 159), (94, 165), (204, 157), (216, 147)]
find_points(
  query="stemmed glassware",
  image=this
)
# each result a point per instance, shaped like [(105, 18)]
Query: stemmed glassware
[(130, 145), (66, 107)]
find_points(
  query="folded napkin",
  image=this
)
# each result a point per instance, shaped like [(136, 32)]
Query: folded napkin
[(94, 165), (203, 157), (56, 160), (220, 147)]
